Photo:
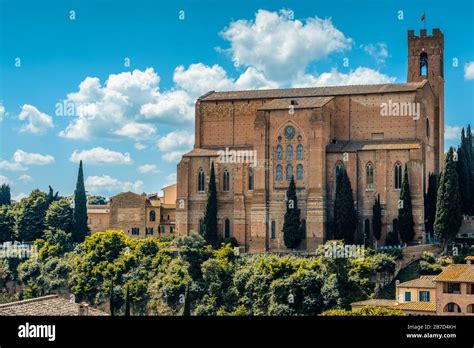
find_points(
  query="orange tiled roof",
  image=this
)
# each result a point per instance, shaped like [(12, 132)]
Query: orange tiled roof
[(417, 306), (314, 91), (375, 302), (366, 145), (457, 273), (299, 103), (422, 282)]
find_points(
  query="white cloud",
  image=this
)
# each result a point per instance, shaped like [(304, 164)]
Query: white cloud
[(25, 178), (176, 107), (378, 51), (452, 132), (37, 122), (359, 76), (280, 47), (136, 130), (175, 144), (99, 155), (4, 180), (148, 168), (105, 183), (140, 146), (18, 197), (12, 166), (2, 111), (26, 158), (469, 71)]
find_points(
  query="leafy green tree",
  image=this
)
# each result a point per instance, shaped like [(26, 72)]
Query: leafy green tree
[(7, 222), (405, 211), (392, 237), (30, 215), (52, 196), (96, 200), (292, 234), (345, 215), (367, 234), (80, 229), (377, 219), (448, 204), (372, 311), (430, 203), (59, 215), (187, 303), (5, 195), (127, 301), (193, 250), (210, 215)]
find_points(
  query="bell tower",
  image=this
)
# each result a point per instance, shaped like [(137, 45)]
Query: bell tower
[(426, 62)]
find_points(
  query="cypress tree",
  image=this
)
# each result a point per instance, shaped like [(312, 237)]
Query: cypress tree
[(377, 219), (392, 237), (210, 215), (464, 176), (430, 203), (405, 213), (5, 195), (6, 224), (345, 215), (366, 231), (292, 233), (111, 298), (469, 151), (448, 203), (80, 228)]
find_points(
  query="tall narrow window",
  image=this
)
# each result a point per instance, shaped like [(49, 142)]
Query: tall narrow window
[(250, 178), (299, 172), (398, 176), (289, 152), (273, 230), (423, 64), (201, 226), (427, 128), (226, 228), (152, 215), (289, 171), (369, 173), (279, 153), (226, 181), (279, 173), (201, 180), (303, 228), (299, 152)]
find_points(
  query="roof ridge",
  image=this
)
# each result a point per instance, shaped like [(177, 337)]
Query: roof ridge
[(29, 300)]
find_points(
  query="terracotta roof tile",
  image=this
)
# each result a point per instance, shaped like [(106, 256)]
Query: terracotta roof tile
[(422, 282), (457, 273), (298, 103), (375, 302), (366, 145), (313, 91), (417, 306)]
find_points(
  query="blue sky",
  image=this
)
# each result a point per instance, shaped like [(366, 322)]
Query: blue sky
[(131, 122)]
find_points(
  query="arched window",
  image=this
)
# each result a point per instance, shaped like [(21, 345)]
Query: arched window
[(250, 178), (398, 176), (289, 171), (152, 215), (427, 128), (201, 180), (289, 152), (225, 181), (423, 64), (299, 172), (299, 152), (279, 172), (452, 307), (279, 153), (226, 228), (369, 173), (339, 167)]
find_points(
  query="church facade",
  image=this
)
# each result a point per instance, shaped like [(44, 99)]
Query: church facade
[(258, 139)]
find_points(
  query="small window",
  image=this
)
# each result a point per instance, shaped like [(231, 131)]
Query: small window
[(250, 178), (427, 128), (226, 181), (201, 226), (369, 173), (339, 167), (423, 64), (273, 230), (398, 176), (201, 180), (135, 231), (279, 172), (171, 229), (289, 171), (407, 296), (279, 153), (289, 152), (424, 296), (149, 230), (303, 228), (299, 152), (299, 172), (168, 218), (226, 228), (152, 215)]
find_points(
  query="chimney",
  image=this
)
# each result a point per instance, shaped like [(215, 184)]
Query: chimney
[(83, 309), (469, 259), (396, 290)]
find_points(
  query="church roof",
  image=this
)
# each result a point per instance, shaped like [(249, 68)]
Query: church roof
[(297, 103), (313, 91), (366, 145)]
